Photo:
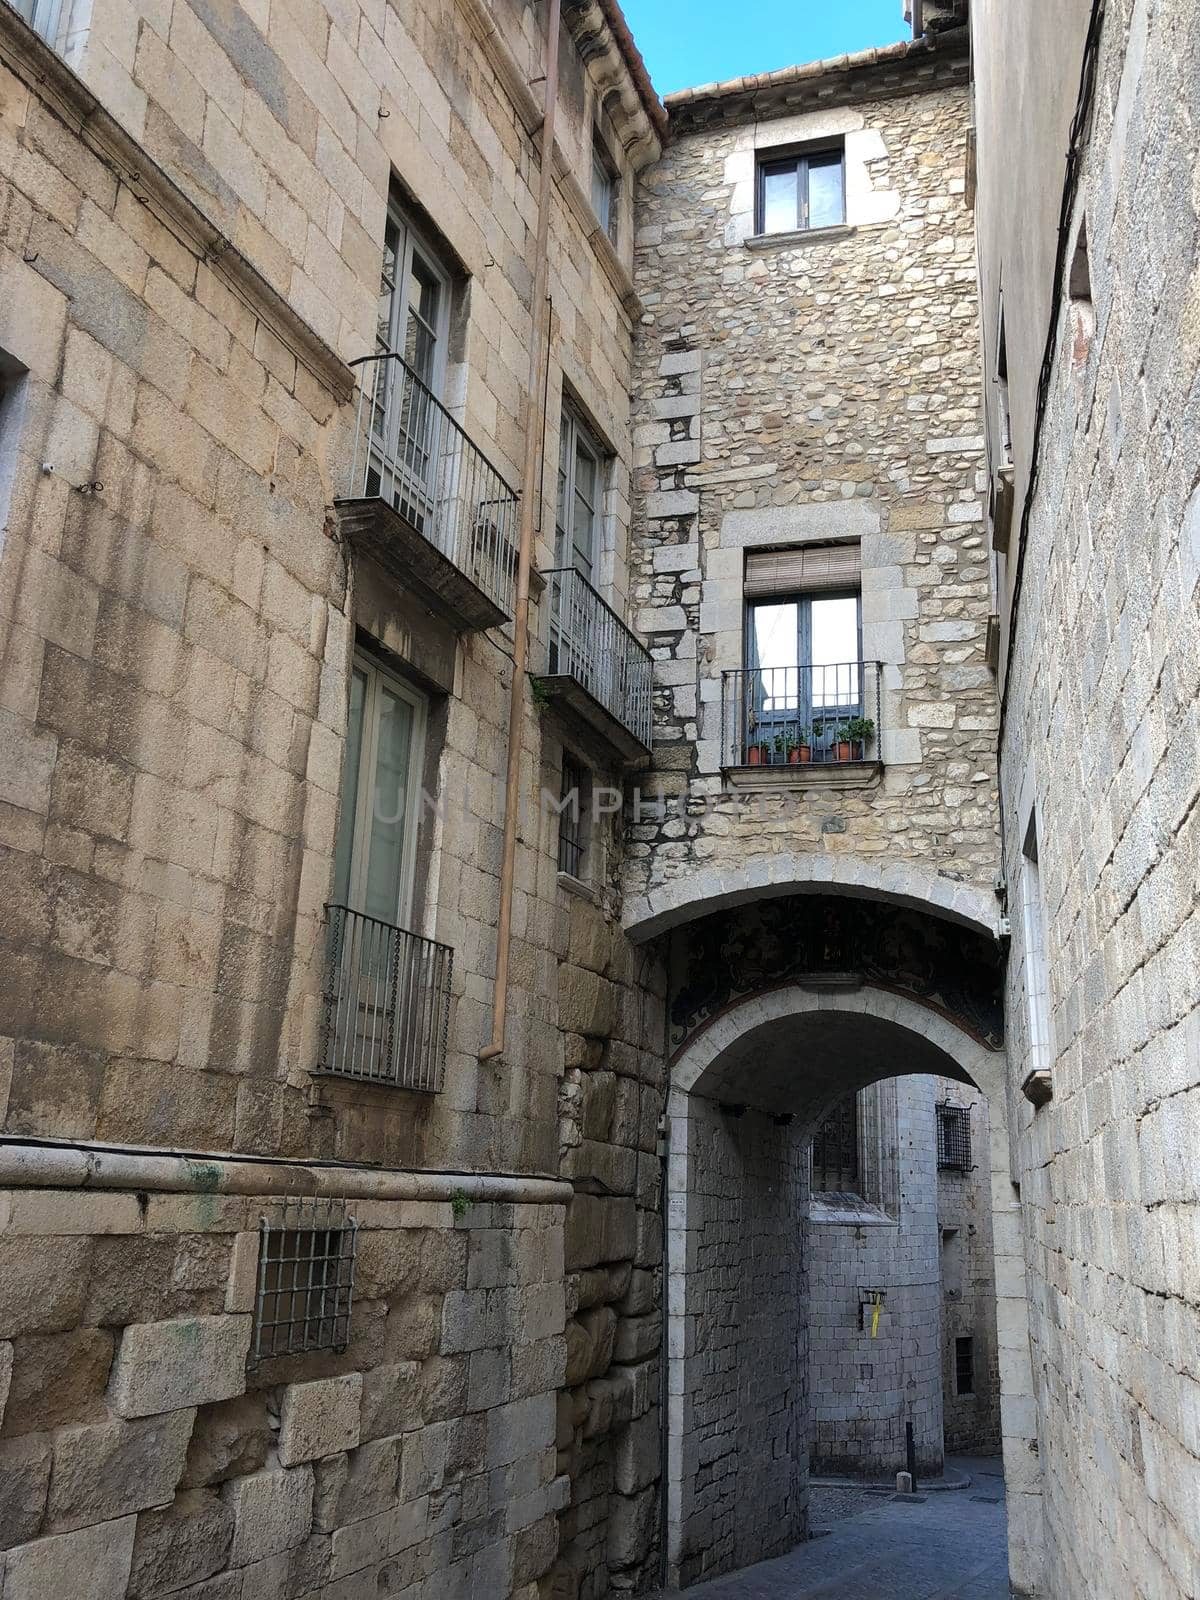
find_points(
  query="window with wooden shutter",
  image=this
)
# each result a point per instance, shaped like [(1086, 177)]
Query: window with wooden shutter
[(804, 569)]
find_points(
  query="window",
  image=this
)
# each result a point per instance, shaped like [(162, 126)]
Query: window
[(1037, 980), (377, 830), (1079, 289), (804, 680), (964, 1366), (801, 191), (406, 421), (580, 486), (305, 1280), (835, 1166), (14, 392), (41, 15), (954, 1137), (574, 810), (604, 188)]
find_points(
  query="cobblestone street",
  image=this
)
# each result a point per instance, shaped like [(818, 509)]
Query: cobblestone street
[(946, 1546)]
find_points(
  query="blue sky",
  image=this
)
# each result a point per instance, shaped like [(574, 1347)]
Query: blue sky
[(687, 42)]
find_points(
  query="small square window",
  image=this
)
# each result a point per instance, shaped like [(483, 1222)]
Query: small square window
[(799, 192), (305, 1279), (604, 189)]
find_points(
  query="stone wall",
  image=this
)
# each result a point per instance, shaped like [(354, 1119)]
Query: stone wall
[(180, 616), (868, 1380), (1100, 748), (143, 1449), (791, 390), (971, 1422), (739, 1482)]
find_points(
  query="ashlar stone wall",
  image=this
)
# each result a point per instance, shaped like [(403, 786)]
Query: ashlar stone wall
[(1100, 749), (791, 390), (143, 1449), (867, 1379)]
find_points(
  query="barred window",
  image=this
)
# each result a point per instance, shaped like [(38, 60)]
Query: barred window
[(305, 1279), (572, 818), (954, 1137), (835, 1149)]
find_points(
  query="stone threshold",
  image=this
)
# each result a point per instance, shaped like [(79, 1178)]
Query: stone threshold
[(67, 1164)]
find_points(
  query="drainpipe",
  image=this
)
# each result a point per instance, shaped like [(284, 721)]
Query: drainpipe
[(538, 364)]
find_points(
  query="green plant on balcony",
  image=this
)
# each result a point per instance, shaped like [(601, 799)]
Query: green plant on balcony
[(859, 731)]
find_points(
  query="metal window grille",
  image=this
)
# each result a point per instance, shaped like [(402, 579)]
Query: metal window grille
[(964, 1366), (835, 1149), (305, 1279), (954, 1137), (572, 839)]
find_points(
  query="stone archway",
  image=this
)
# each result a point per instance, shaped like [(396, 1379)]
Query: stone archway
[(901, 883), (746, 1090)]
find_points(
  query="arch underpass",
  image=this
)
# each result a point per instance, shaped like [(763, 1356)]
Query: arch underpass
[(778, 1011)]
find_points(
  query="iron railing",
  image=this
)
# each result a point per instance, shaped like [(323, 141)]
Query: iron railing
[(800, 715), (590, 643), (410, 452), (386, 1011)]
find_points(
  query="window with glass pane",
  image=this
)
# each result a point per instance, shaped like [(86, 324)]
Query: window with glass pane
[(835, 1150), (604, 191), (579, 485), (572, 818), (377, 830), (42, 15), (410, 339), (804, 674), (801, 191)]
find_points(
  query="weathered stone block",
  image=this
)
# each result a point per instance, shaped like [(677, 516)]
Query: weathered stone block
[(181, 1544), (388, 1262), (637, 1454), (58, 1378), (391, 1399), (630, 1527), (590, 1343), (319, 1419), (24, 1480), (599, 1228), (91, 1564), (116, 1467), (230, 1438), (151, 1277), (6, 1367), (43, 1289), (637, 1338), (190, 1361), (272, 1512)]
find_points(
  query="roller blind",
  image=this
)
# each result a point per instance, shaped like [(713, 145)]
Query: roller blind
[(803, 570)]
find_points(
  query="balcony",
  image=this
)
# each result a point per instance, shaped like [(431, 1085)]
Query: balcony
[(385, 1004), (426, 503), (598, 677), (794, 726)]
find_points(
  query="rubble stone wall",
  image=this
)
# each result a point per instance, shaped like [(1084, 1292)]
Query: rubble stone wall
[(791, 390)]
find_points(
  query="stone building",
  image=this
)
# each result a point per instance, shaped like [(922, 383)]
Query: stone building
[(901, 1286), (1091, 339), (535, 662), (261, 594)]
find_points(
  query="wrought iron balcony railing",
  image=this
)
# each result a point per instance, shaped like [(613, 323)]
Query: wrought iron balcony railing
[(592, 649), (411, 455), (386, 1010), (801, 716)]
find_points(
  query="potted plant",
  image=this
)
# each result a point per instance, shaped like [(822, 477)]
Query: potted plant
[(785, 747), (801, 752), (860, 731), (842, 748)]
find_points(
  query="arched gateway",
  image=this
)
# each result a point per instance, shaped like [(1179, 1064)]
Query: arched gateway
[(780, 1005)]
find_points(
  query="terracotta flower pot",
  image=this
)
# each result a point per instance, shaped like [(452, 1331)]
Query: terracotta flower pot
[(802, 753), (794, 756), (842, 750), (755, 754)]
